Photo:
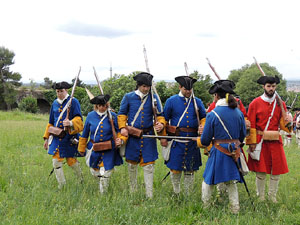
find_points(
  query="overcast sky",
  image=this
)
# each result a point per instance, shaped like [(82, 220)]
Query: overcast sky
[(53, 38)]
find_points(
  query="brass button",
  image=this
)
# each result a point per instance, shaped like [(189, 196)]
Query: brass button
[(187, 121), (101, 123), (187, 112), (101, 131), (187, 116), (142, 125), (142, 141), (142, 146), (101, 135), (187, 126), (101, 139), (101, 127)]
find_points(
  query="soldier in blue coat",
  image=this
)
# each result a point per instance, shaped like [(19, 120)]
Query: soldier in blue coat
[(225, 128), (103, 154), (64, 145), (179, 112), (136, 114)]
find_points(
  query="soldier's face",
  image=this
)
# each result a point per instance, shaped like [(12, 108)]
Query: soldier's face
[(102, 108), (144, 89), (186, 93), (270, 89), (61, 93)]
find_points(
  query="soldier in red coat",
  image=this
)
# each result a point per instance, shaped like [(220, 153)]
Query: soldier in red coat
[(265, 144)]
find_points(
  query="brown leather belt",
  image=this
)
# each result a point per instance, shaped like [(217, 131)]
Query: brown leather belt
[(260, 132), (146, 130), (235, 154), (188, 130)]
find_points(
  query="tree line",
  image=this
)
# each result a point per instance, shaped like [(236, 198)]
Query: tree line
[(119, 84)]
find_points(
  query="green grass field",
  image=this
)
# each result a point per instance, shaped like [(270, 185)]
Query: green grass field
[(29, 196)]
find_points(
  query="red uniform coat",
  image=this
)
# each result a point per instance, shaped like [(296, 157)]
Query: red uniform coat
[(240, 106), (272, 157)]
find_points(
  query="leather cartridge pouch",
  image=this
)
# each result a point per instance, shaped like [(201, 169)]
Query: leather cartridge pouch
[(57, 132), (102, 146), (171, 130), (134, 132), (271, 135)]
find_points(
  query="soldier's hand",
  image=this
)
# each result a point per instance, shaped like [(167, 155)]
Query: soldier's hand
[(164, 142), (67, 123), (200, 129), (124, 132), (252, 147), (118, 142), (248, 124), (46, 144), (158, 126)]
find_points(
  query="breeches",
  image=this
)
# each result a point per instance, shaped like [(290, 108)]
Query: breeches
[(70, 161)]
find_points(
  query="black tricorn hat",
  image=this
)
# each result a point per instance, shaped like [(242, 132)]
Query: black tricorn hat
[(186, 81), (61, 85), (226, 86), (143, 78), (268, 79), (288, 107), (100, 99), (296, 109)]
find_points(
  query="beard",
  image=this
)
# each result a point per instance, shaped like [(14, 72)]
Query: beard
[(270, 94)]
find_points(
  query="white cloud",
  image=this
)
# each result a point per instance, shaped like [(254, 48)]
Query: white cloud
[(53, 39)]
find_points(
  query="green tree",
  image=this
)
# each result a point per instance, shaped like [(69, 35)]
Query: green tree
[(28, 104), (166, 90), (8, 80), (79, 83), (47, 83), (247, 87), (117, 87), (201, 87)]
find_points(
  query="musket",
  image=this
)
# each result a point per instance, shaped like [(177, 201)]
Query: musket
[(193, 96), (294, 100), (153, 89), (213, 69), (284, 114), (108, 110), (72, 96), (170, 137), (153, 83)]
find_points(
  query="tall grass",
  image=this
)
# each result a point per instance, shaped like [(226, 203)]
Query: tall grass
[(29, 196)]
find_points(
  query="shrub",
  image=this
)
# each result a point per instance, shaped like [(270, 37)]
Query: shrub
[(28, 104)]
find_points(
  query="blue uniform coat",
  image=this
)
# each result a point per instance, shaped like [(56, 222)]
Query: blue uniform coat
[(184, 156), (220, 167), (146, 147), (64, 145), (110, 158)]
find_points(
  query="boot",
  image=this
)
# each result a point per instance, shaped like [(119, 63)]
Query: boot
[(148, 179), (260, 185), (188, 182), (233, 197), (132, 171), (104, 181), (77, 170), (59, 173), (206, 193), (175, 178), (273, 187)]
